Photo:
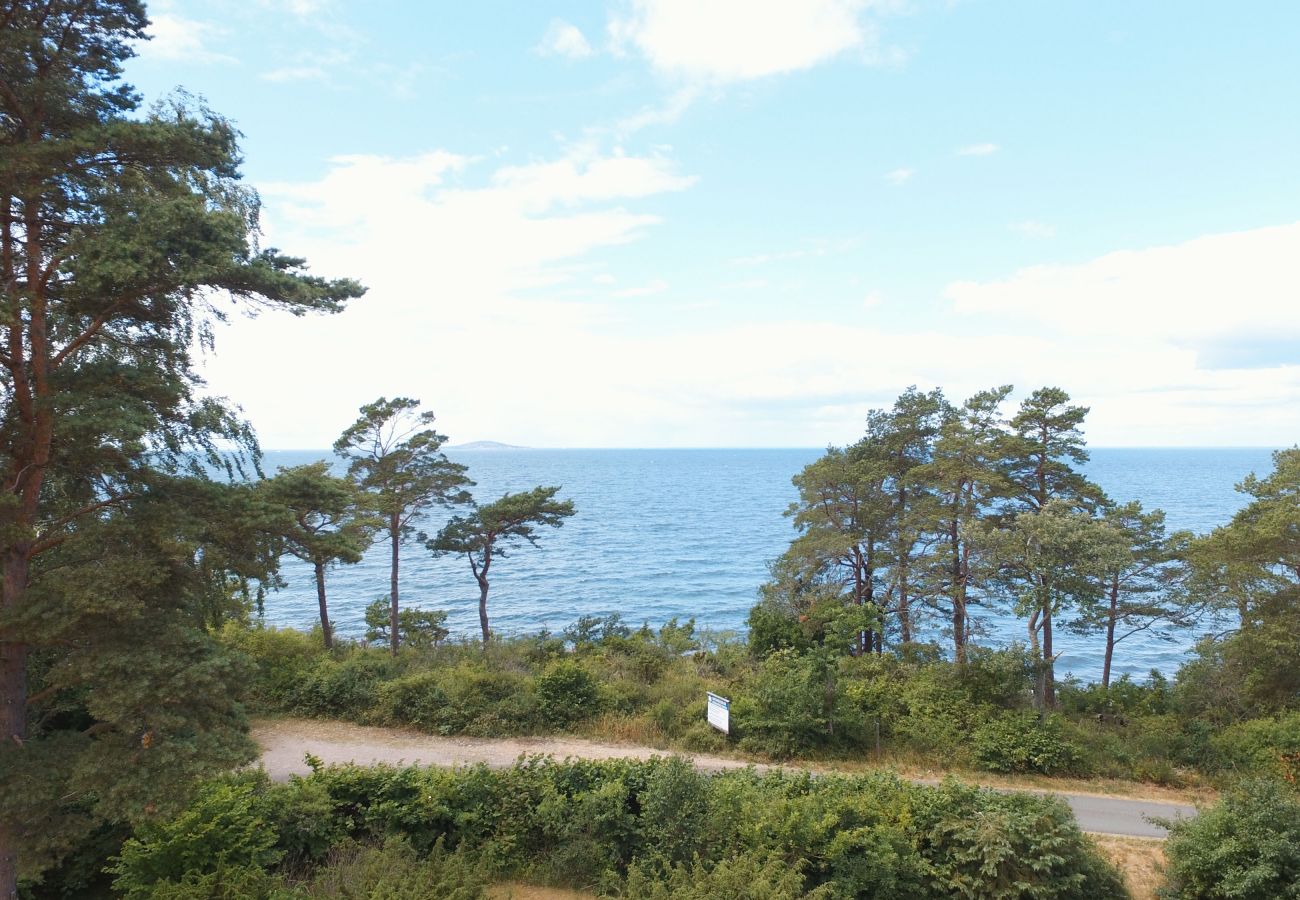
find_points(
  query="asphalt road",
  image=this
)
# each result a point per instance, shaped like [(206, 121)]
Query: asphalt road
[(285, 743)]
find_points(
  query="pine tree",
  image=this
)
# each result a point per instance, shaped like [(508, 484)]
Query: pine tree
[(396, 456), (124, 235), (492, 531)]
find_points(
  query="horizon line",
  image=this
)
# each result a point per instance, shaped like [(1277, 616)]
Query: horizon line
[(330, 451)]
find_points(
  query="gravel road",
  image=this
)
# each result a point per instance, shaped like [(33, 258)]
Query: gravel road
[(285, 742)]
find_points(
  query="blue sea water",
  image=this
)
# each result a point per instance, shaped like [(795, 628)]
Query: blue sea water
[(664, 533)]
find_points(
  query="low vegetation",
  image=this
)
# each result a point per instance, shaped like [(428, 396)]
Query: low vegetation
[(648, 685), (655, 829)]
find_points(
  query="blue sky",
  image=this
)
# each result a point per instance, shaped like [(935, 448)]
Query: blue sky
[(727, 223)]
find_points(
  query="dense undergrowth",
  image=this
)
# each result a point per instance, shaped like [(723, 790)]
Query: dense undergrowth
[(649, 686), (626, 829)]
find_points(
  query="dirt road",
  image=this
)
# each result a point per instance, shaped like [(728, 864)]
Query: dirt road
[(285, 742)]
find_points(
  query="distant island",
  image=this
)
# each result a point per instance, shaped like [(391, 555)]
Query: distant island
[(486, 445)]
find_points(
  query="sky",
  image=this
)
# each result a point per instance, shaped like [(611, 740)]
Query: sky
[(736, 223)]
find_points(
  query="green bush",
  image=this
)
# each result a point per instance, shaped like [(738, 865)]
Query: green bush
[(1022, 742), (394, 871), (417, 699), (1006, 846), (788, 708), (226, 828), (746, 876), (347, 687), (567, 693), (1247, 847), (487, 702), (1259, 747), (418, 629), (655, 828)]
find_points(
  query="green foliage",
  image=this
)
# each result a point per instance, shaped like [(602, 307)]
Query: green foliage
[(348, 686), (746, 876), (588, 631), (1011, 846), (1261, 747), (418, 628), (494, 530), (567, 693), (128, 236), (771, 628), (225, 827), (790, 706), (1024, 742), (1247, 847), (393, 870), (639, 829)]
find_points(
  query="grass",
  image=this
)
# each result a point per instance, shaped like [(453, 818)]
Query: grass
[(514, 890), (1141, 860)]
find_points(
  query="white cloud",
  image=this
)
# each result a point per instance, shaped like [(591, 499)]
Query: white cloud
[(900, 176), (737, 40), (563, 39), (454, 254), (466, 263), (1034, 229), (1244, 283), (295, 73), (176, 39), (977, 150)]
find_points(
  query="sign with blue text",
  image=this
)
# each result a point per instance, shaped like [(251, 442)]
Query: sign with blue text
[(720, 713)]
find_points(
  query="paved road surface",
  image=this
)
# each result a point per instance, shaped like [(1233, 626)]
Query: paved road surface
[(285, 742)]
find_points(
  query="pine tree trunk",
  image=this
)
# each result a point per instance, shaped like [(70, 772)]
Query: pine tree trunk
[(13, 709), (958, 597), (324, 608), (482, 575), (1049, 662), (1110, 632), (482, 611), (395, 535)]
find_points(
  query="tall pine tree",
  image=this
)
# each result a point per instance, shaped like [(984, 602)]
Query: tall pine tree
[(123, 236)]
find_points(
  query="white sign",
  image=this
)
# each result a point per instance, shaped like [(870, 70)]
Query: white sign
[(720, 713)]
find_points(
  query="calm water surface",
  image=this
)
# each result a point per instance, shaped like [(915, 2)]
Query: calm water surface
[(663, 533)]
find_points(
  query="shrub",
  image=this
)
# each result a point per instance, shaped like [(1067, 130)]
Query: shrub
[(1021, 742), (1260, 747), (225, 828), (394, 871), (417, 628), (1247, 847), (416, 699), (748, 876), (785, 711), (675, 808), (982, 843), (567, 693), (347, 688), (487, 702), (655, 829)]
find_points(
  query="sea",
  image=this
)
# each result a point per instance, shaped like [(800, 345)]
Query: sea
[(662, 534)]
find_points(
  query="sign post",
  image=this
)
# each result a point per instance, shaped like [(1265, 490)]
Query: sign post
[(719, 713)]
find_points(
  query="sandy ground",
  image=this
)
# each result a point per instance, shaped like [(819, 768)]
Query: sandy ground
[(285, 743)]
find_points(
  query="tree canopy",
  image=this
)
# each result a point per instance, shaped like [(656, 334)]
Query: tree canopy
[(126, 235), (395, 455), (493, 530)]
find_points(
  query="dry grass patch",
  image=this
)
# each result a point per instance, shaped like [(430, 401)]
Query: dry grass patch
[(513, 890), (1142, 860)]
